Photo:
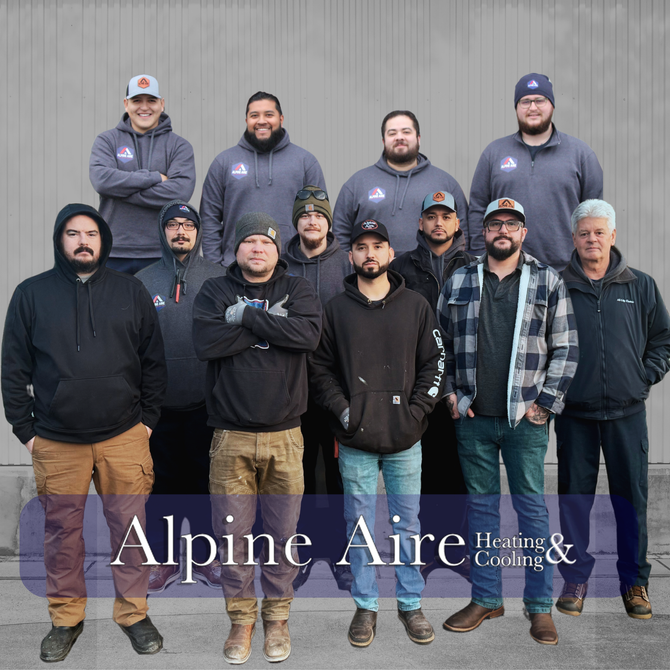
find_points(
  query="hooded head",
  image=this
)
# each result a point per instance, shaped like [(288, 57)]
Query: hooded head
[(66, 214), (180, 210)]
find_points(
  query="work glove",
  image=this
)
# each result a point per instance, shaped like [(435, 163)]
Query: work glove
[(235, 312), (278, 308)]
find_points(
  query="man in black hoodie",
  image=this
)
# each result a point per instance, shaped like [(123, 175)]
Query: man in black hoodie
[(83, 378), (378, 371), (254, 327), (624, 348), (180, 443)]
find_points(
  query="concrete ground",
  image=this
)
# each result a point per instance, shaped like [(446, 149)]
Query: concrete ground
[(195, 628)]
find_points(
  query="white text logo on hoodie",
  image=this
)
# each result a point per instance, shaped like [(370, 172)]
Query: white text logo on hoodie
[(376, 194), (124, 154), (240, 170), (508, 164)]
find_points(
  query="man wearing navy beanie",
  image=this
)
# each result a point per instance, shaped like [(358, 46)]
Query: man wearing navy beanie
[(549, 171)]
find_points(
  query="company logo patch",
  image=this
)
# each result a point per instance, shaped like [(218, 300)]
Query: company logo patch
[(143, 83), (309, 208), (438, 197), (369, 225), (159, 302), (508, 164), (184, 208), (376, 194), (124, 154), (396, 399), (506, 203), (240, 170), (272, 233), (532, 84)]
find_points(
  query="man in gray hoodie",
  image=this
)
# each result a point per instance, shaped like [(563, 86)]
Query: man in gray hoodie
[(261, 174), (181, 440), (393, 189), (136, 168)]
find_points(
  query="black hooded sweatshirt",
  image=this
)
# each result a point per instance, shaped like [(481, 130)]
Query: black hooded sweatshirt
[(383, 360), (81, 361)]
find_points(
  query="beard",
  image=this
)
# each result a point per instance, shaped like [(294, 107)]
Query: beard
[(265, 146), (177, 249), (402, 158), (371, 274), (437, 241), (502, 254), (312, 242), (535, 130), (80, 265)]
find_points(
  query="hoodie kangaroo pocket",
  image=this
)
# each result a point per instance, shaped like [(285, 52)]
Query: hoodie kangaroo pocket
[(88, 404), (248, 397)]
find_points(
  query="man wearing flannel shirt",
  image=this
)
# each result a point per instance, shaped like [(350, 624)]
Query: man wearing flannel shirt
[(511, 342)]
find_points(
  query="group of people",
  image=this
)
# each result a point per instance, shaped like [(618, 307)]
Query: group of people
[(399, 332)]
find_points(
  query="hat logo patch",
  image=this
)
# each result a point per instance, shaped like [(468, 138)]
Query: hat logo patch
[(143, 83), (124, 154), (184, 208), (272, 233), (159, 302), (309, 208), (369, 225), (438, 197), (376, 194), (532, 84), (506, 203), (240, 171), (508, 164)]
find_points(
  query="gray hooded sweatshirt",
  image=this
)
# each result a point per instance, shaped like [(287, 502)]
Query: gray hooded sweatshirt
[(125, 169), (393, 198), (242, 180), (173, 286)]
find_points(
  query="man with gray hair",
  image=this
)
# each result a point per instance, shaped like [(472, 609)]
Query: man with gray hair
[(624, 348)]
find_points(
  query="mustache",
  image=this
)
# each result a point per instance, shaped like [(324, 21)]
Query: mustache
[(82, 249)]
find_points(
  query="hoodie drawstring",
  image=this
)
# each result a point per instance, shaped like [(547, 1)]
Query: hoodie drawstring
[(404, 193), (90, 309), (270, 182), (178, 282), (137, 151), (76, 292), (151, 151), (258, 185), (318, 275)]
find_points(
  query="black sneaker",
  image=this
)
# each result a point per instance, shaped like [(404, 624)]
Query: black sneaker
[(144, 637), (57, 644)]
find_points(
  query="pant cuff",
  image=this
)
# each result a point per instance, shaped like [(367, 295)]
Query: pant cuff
[(489, 604)]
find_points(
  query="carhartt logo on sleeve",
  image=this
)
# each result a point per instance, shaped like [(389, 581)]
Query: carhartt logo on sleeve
[(506, 203), (508, 164), (376, 194), (124, 154), (143, 83)]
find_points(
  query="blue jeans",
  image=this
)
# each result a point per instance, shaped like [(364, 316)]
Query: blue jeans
[(402, 477), (480, 441)]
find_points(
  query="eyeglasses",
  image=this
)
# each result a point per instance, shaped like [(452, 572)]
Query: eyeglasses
[(174, 225), (305, 194), (539, 102), (495, 225)]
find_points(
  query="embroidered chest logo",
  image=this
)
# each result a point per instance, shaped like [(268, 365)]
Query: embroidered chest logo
[(159, 302), (376, 194), (258, 304), (124, 154), (240, 170), (508, 164)]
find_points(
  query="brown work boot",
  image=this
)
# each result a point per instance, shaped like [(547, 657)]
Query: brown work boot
[(237, 648), (277, 645), (470, 617), (542, 627), (161, 576), (417, 626), (209, 574), (362, 627), (571, 600), (636, 601)]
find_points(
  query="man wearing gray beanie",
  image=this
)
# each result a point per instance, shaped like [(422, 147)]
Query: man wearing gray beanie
[(549, 171), (254, 327)]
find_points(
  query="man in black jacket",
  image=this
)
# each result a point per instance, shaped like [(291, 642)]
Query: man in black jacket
[(624, 348), (254, 327), (83, 377), (379, 407)]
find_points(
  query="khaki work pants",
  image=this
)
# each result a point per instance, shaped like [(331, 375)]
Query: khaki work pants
[(242, 466), (122, 472)]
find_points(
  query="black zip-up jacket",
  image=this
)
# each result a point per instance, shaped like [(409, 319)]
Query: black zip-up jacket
[(256, 372), (91, 352), (382, 360), (417, 268), (624, 340)]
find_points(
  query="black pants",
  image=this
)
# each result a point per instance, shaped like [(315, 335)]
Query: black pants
[(315, 427), (625, 446), (180, 451)]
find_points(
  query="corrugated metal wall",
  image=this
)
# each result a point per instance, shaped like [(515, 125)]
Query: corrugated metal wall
[(338, 67)]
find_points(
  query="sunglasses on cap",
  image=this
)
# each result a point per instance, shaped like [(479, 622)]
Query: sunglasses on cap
[(304, 194)]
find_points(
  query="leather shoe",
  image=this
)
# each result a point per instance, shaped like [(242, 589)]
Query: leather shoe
[(277, 645), (362, 627), (542, 627), (237, 648), (636, 601), (57, 644), (571, 600), (470, 617), (209, 574), (161, 576), (417, 626), (144, 637)]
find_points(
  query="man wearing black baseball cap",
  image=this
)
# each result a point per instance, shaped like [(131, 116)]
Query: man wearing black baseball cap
[(378, 413)]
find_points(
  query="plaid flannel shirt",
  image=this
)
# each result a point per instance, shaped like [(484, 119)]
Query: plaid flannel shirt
[(544, 349)]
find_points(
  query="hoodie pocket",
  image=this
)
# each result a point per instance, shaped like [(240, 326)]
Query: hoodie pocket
[(89, 404), (248, 397), (382, 421)]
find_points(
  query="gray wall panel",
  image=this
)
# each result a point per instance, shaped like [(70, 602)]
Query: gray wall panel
[(338, 67)]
